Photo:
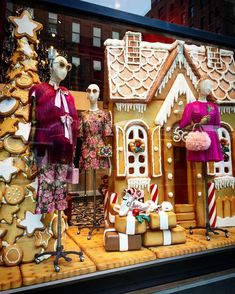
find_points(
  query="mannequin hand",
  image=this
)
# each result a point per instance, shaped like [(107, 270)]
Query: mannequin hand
[(205, 119)]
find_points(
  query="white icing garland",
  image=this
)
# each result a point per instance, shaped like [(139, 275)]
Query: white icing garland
[(131, 106), (227, 109), (139, 183), (225, 222), (224, 182)]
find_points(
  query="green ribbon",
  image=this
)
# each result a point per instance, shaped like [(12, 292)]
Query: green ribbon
[(141, 217)]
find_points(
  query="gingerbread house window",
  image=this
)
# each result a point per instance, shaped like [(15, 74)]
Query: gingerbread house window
[(223, 168), (133, 47), (214, 58), (137, 155)]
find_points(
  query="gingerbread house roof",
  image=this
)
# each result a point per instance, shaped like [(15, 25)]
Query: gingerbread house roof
[(138, 71)]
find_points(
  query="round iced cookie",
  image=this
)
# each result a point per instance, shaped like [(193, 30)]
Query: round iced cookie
[(12, 255), (14, 194)]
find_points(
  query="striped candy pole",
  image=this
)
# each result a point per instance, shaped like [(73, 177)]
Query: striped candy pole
[(212, 204), (106, 198), (154, 193)]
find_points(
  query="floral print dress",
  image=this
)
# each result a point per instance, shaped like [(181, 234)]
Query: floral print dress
[(95, 127)]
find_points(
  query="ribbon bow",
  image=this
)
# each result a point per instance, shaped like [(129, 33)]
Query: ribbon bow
[(60, 95), (67, 120)]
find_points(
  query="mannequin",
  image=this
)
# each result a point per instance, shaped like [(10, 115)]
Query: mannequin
[(204, 113), (54, 144), (95, 128)]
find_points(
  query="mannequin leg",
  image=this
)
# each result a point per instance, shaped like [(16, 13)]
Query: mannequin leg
[(84, 201)]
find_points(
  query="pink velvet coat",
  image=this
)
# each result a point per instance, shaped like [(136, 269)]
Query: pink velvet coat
[(50, 132), (194, 112)]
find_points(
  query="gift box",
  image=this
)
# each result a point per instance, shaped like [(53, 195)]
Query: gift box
[(129, 225), (176, 235), (162, 220), (114, 241)]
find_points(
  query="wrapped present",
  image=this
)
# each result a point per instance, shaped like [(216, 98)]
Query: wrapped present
[(114, 241), (176, 235), (129, 225), (162, 220)]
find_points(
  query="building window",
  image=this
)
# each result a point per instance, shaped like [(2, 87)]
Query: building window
[(137, 163), (214, 58), (202, 23), (97, 65), (52, 23), (75, 32), (76, 61), (96, 37), (223, 168), (115, 35)]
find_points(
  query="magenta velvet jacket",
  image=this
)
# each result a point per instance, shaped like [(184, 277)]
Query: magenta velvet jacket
[(50, 130), (193, 113)]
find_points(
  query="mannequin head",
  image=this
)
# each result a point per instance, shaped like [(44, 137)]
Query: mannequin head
[(59, 69), (93, 92), (204, 87)]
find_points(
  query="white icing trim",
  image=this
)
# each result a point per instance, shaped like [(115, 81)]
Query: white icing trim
[(156, 130), (108, 230), (135, 122), (166, 237), (123, 242), (195, 49), (111, 218), (180, 86), (226, 109), (118, 149), (224, 124), (158, 45), (130, 224), (139, 107), (140, 183), (226, 222), (114, 43), (224, 182), (164, 224)]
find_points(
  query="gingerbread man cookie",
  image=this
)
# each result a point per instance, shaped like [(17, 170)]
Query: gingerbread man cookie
[(23, 111), (22, 95), (8, 126), (30, 64), (27, 205), (7, 212), (12, 232)]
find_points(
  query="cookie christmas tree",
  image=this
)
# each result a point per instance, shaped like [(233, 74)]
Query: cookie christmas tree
[(18, 179)]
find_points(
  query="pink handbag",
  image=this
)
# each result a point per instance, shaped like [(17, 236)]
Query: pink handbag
[(197, 140)]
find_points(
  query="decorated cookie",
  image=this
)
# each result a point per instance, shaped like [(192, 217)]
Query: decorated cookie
[(24, 81), (25, 26), (23, 111), (2, 187), (42, 238), (27, 205), (22, 95), (1, 196), (14, 145), (31, 222), (6, 92), (8, 106), (27, 244), (8, 126), (4, 154), (55, 226), (33, 186), (20, 179), (20, 164), (25, 49), (7, 169), (23, 131), (30, 64), (15, 72), (12, 231), (14, 194), (47, 218), (2, 232), (7, 212), (35, 76), (12, 255), (16, 57)]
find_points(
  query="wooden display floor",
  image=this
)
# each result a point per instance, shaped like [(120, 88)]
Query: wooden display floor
[(98, 264)]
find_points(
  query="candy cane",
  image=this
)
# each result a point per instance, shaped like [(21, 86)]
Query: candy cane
[(106, 196), (154, 193), (212, 204)]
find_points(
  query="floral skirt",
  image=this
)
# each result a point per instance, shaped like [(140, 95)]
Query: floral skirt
[(52, 187)]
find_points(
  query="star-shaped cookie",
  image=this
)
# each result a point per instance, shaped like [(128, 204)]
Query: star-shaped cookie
[(27, 205), (7, 169), (42, 238), (22, 95), (7, 126), (7, 211), (23, 131), (23, 111), (25, 26), (30, 64), (12, 232), (31, 223)]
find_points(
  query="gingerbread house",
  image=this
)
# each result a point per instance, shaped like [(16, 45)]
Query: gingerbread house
[(148, 86)]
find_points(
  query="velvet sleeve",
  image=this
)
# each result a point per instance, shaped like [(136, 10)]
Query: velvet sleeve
[(187, 116)]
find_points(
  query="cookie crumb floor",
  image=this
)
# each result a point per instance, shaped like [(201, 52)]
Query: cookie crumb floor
[(98, 260)]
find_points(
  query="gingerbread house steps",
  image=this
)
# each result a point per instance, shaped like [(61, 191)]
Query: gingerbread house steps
[(185, 215)]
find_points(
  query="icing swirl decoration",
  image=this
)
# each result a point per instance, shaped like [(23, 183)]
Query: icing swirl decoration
[(136, 146)]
